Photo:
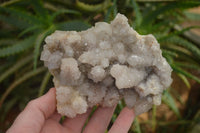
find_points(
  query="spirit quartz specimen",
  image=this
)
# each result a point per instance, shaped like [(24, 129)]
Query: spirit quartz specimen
[(104, 64)]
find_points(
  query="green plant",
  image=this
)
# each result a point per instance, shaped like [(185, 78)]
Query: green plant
[(25, 24)]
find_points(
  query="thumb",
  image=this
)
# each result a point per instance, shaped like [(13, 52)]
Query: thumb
[(33, 117)]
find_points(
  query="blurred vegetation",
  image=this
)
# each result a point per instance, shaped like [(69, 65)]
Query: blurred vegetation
[(24, 25)]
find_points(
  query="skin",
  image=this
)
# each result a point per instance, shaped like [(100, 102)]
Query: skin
[(40, 116)]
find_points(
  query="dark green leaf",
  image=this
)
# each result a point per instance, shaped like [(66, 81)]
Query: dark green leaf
[(184, 79), (14, 68), (64, 11), (38, 43), (192, 16), (169, 100), (22, 15), (92, 8), (77, 25), (184, 43), (180, 70), (18, 47), (14, 22), (40, 10), (30, 29), (152, 16), (138, 15)]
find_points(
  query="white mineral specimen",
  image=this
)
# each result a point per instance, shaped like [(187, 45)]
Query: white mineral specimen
[(104, 64)]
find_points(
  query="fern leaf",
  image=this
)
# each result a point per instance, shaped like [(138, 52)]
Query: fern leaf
[(192, 16), (180, 70), (22, 15), (169, 59), (184, 79), (18, 47), (108, 14), (168, 52), (169, 100), (77, 25), (178, 32), (115, 8), (188, 65), (19, 81), (14, 22), (30, 29), (44, 84), (136, 124), (38, 43), (151, 17), (111, 12), (7, 41), (138, 15), (41, 12), (184, 43), (159, 27), (15, 67), (63, 11), (183, 54), (93, 8)]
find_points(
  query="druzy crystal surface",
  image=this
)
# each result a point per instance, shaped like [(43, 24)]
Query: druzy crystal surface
[(105, 64)]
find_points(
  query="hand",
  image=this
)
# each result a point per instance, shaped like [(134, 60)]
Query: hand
[(40, 116)]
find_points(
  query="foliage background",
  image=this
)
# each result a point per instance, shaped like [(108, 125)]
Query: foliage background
[(25, 23)]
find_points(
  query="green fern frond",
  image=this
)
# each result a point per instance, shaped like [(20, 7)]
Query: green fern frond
[(111, 12), (14, 22), (30, 29), (93, 8), (115, 11), (64, 11), (192, 16), (77, 25), (22, 15), (169, 100), (180, 70), (184, 79), (15, 67), (10, 2), (184, 43), (151, 17), (136, 125), (169, 58), (38, 43), (107, 17), (7, 41), (18, 47), (159, 27), (39, 9), (178, 32), (188, 65), (44, 84), (183, 54), (19, 81), (138, 15), (168, 52)]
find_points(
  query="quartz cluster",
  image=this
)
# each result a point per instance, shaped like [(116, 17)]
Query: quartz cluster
[(105, 64)]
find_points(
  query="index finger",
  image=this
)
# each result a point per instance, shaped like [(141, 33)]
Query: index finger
[(123, 121)]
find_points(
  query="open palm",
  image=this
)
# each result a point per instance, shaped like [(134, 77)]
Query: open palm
[(40, 116)]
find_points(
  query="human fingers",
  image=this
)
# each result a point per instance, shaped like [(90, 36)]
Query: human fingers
[(123, 121), (34, 115), (76, 124), (55, 117), (100, 120), (51, 126)]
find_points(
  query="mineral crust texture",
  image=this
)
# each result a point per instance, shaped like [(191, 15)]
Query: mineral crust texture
[(104, 64)]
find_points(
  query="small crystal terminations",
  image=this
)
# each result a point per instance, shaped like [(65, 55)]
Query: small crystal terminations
[(104, 64)]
